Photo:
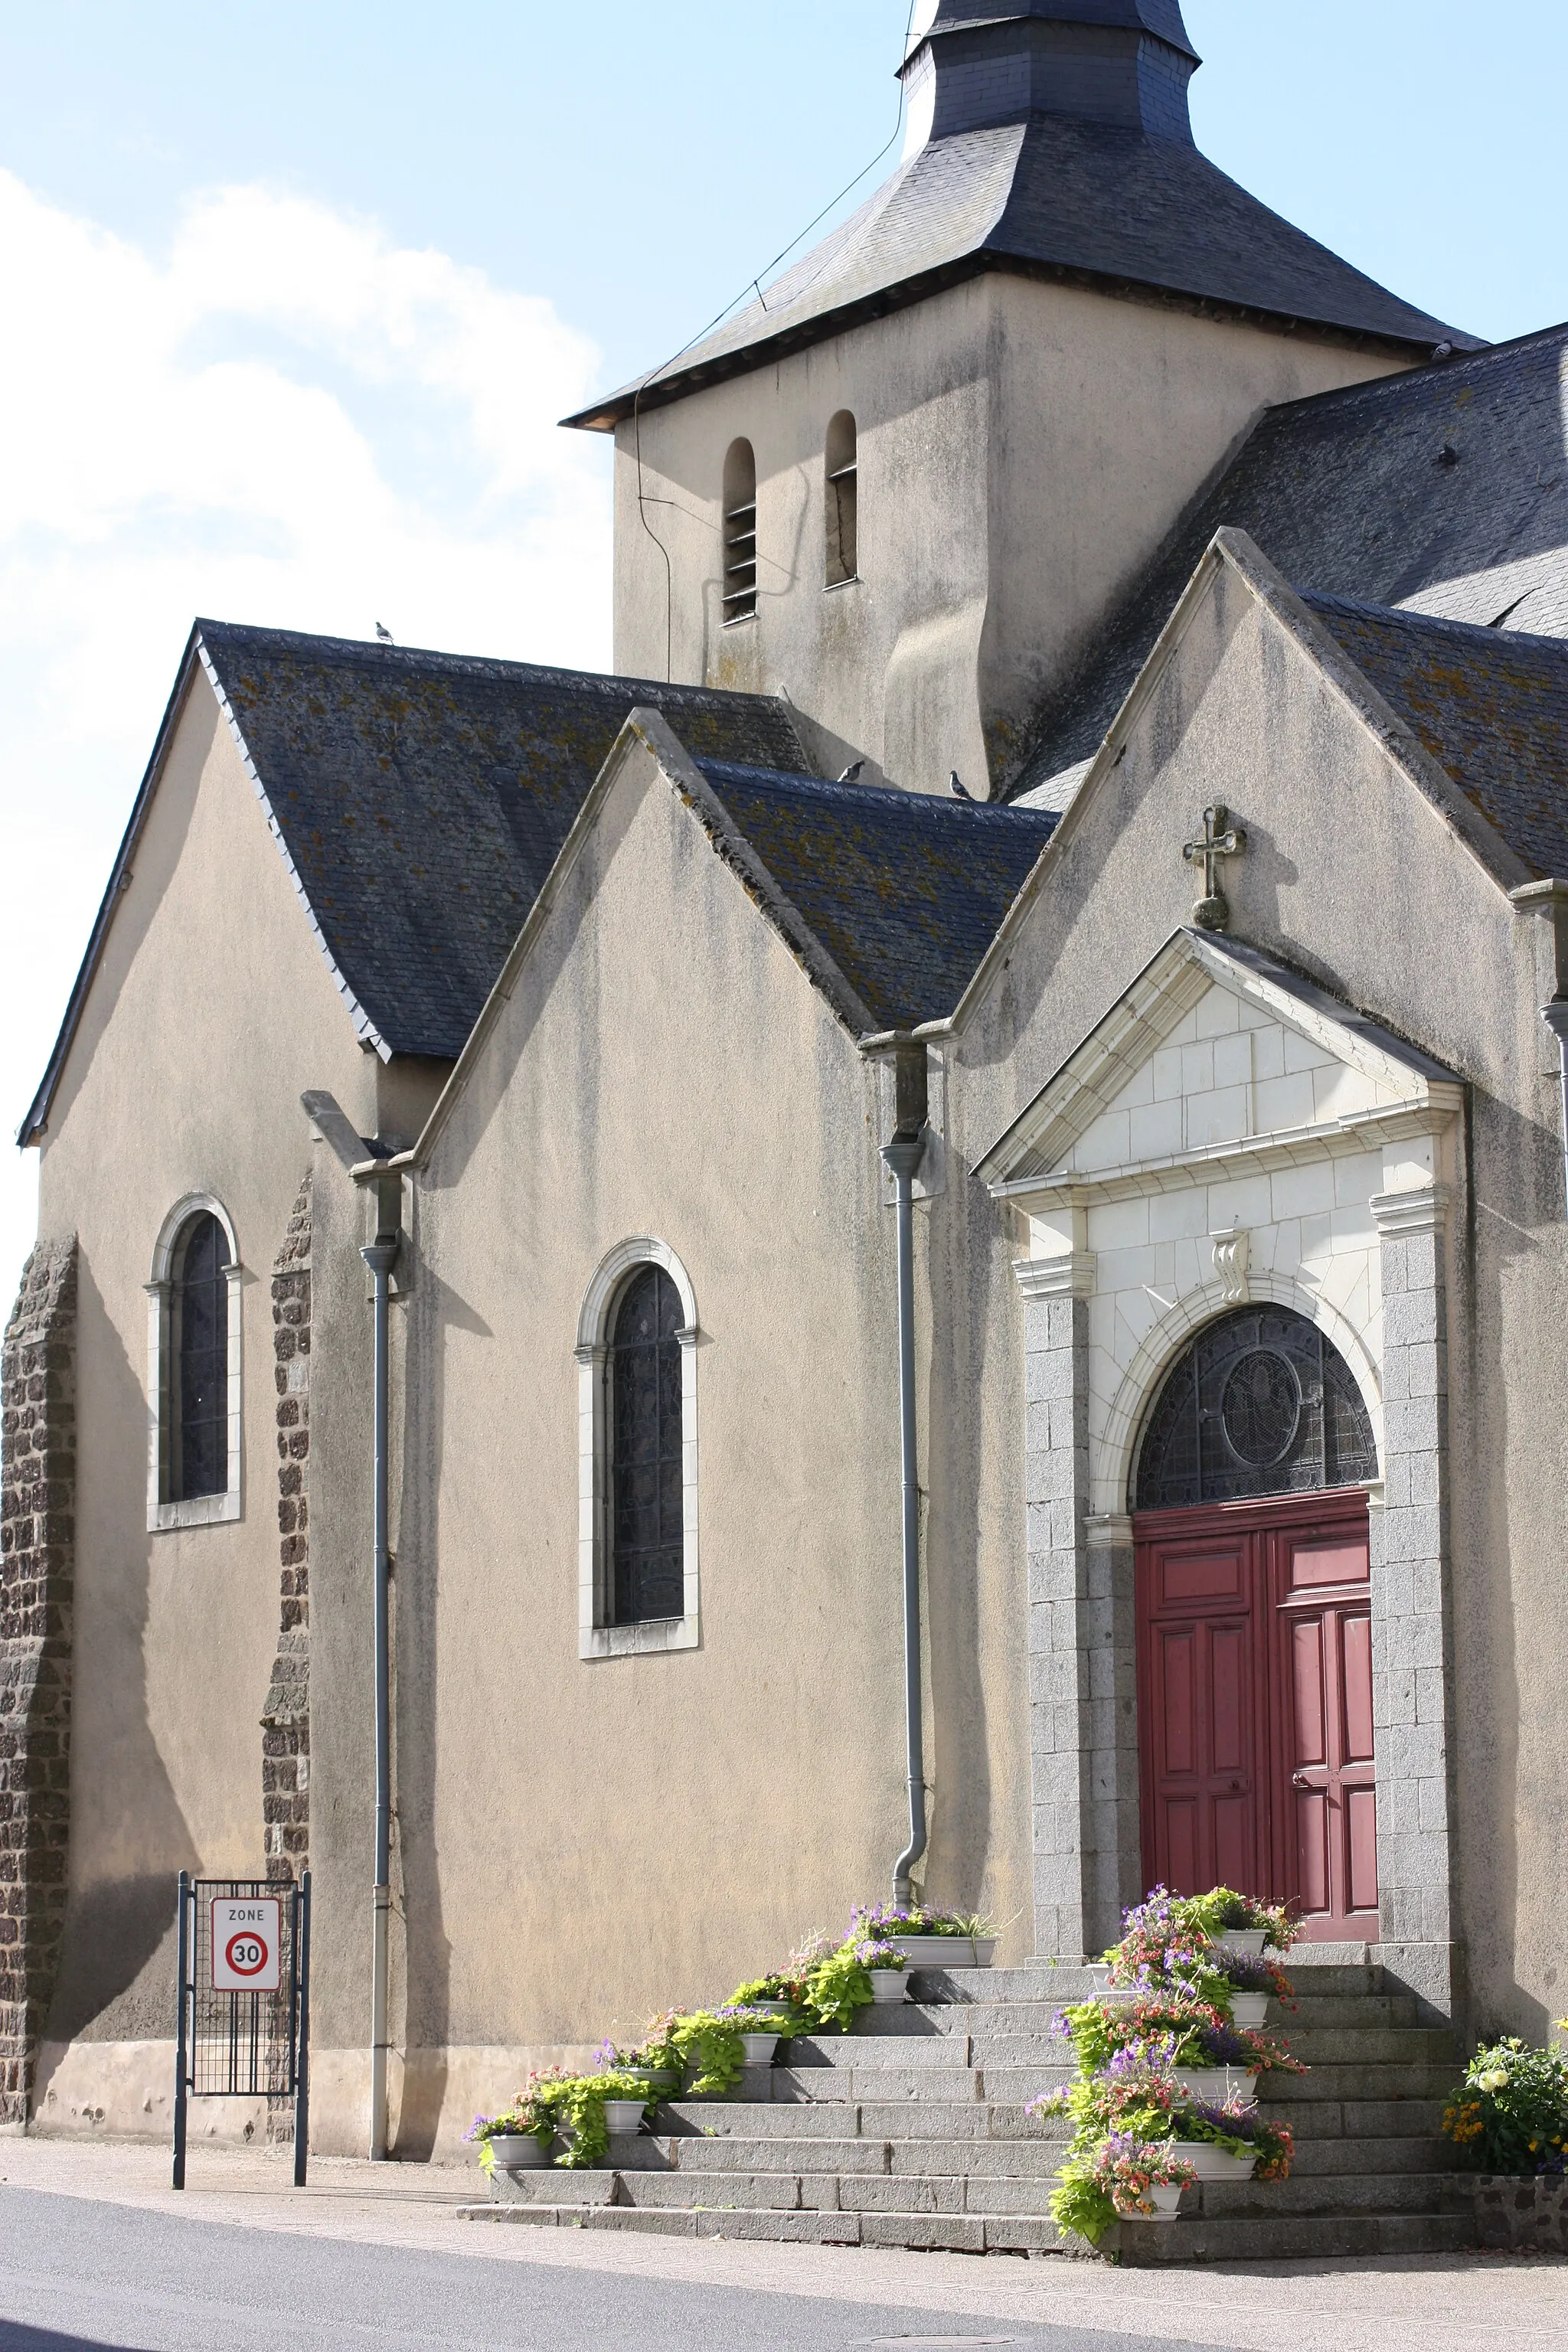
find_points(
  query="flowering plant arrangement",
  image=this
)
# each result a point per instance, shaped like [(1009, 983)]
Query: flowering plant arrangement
[(555, 2101), (1510, 2115), (1112, 2178), (1166, 1941), (885, 1922), (746, 2018), (1137, 2093), (874, 1955), (1185, 2030), (1223, 1907)]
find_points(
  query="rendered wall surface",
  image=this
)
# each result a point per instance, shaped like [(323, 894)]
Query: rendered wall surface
[(1023, 448), (211, 1010)]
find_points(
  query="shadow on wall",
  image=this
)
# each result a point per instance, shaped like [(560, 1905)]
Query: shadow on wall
[(434, 1309), (116, 1978)]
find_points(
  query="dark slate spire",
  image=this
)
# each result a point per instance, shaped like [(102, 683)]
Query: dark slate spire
[(975, 65)]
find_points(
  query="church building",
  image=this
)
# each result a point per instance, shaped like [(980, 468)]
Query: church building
[(993, 1103)]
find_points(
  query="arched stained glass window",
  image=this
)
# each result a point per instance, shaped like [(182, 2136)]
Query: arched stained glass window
[(642, 1369), (1260, 1403), (199, 1335)]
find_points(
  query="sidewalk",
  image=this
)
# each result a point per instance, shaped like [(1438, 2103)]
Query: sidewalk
[(1438, 2305)]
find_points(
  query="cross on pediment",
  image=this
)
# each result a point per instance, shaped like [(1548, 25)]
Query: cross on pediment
[(1220, 839)]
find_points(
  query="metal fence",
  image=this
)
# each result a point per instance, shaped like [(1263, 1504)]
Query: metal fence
[(242, 2043)]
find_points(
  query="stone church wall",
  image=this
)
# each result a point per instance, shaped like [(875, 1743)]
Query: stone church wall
[(37, 1570)]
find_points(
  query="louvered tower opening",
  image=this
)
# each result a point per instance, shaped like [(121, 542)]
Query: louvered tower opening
[(843, 501), (740, 533)]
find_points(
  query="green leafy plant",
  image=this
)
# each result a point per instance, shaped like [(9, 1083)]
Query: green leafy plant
[(1222, 1908), (835, 1987), (1510, 2115), (710, 2051)]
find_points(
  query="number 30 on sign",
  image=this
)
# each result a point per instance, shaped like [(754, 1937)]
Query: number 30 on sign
[(247, 1944)]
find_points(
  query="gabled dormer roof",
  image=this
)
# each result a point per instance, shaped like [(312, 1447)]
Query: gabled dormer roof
[(1052, 142)]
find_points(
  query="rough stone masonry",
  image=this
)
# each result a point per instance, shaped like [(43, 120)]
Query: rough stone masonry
[(38, 1566)]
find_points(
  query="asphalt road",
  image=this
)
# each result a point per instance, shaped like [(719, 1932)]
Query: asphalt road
[(75, 2273)]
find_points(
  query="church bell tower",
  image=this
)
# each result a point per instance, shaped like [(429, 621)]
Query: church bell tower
[(910, 484)]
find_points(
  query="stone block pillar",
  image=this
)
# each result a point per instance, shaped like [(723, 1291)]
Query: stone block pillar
[(1082, 1688), (37, 1568), (1411, 1618), (286, 1717)]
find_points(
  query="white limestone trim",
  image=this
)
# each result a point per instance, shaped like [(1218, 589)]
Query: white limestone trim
[(597, 1638), (201, 1510), (1111, 1470), (1421, 1210), (1068, 1277)]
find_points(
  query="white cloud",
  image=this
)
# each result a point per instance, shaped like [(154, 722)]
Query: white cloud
[(286, 419)]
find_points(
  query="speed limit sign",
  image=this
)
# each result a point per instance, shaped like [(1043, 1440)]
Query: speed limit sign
[(247, 1944)]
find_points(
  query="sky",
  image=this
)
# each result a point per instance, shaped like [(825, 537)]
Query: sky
[(294, 296)]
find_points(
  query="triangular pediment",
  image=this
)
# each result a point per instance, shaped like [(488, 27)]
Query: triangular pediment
[(1213, 1049)]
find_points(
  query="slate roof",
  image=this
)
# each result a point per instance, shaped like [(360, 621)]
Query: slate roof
[(904, 891), (1491, 706), (1445, 488), (421, 799), (1052, 196)]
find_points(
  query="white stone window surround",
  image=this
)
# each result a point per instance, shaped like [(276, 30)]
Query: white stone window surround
[(200, 1510), (596, 1637)]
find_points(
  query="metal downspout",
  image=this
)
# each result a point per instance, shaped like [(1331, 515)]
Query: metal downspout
[(1555, 1016), (381, 1255), (903, 1155)]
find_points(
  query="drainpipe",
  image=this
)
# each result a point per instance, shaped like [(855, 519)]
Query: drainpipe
[(381, 1255), (1555, 1016), (903, 1155)]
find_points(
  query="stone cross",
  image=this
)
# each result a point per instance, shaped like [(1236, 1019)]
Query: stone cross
[(1220, 839)]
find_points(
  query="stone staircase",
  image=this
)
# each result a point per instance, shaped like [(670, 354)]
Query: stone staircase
[(911, 2131)]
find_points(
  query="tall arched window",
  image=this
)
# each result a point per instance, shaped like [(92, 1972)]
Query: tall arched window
[(198, 1317), (636, 1439), (194, 1363), (739, 532), (1259, 1403), (842, 500), (647, 1513)]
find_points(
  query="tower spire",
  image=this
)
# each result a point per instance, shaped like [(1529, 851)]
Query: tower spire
[(976, 65)]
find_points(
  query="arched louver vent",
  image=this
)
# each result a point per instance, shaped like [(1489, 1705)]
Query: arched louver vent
[(739, 532)]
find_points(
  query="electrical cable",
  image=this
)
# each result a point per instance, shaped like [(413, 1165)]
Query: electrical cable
[(644, 501)]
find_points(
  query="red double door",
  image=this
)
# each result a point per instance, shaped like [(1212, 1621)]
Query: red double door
[(1255, 1706)]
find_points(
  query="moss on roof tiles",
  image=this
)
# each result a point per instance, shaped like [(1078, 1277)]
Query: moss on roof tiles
[(904, 890), (423, 798), (1490, 706)]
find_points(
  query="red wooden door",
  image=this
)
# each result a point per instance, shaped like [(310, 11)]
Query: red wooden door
[(1329, 1809), (1203, 1673), (1255, 1706)]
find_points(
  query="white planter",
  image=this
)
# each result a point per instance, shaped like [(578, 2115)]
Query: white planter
[(886, 1985), (759, 2048), (770, 2008), (1165, 2198), (1114, 1996), (623, 2116), (1216, 2085), (518, 2152), (1249, 2009), (1249, 1940), (945, 1951), (1213, 2163)]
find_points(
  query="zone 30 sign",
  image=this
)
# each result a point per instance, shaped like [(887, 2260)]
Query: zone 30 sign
[(247, 1944)]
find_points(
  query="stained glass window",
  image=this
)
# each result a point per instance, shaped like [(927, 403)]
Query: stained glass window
[(643, 1369), (1260, 1403), (199, 1331)]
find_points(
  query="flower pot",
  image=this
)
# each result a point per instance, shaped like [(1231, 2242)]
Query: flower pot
[(1212, 2163), (759, 2048), (518, 2152), (622, 2114), (1165, 2198), (886, 1985), (1249, 1940), (1249, 2009), (1215, 2085), (771, 2008), (662, 2081), (945, 1951)]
